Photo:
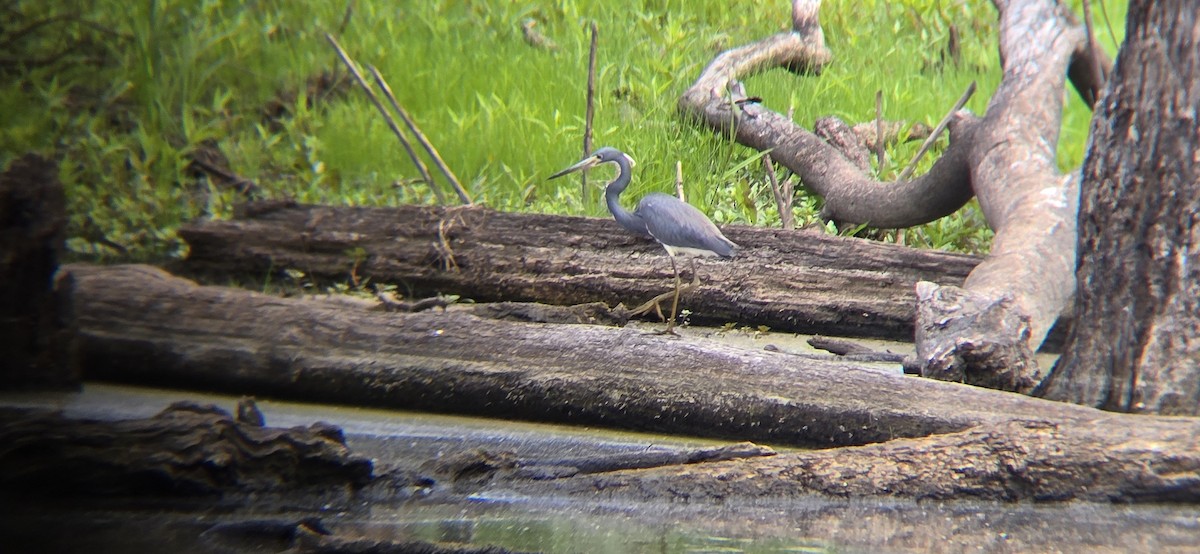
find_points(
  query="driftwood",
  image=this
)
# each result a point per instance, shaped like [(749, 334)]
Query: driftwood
[(935, 439), (187, 449), (1024, 458), (985, 332), (798, 281)]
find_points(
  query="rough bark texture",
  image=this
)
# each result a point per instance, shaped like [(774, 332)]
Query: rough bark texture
[(140, 324), (35, 339), (187, 449), (1014, 296), (1139, 238), (795, 281)]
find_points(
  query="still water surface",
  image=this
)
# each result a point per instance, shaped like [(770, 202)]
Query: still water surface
[(500, 517)]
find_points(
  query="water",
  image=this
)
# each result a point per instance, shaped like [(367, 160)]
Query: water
[(498, 515)]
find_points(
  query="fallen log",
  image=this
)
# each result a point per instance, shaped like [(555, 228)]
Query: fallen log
[(935, 439), (805, 282), (1021, 459), (186, 450), (987, 331)]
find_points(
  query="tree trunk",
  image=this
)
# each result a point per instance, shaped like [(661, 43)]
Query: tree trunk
[(36, 341), (804, 282), (1139, 248), (936, 439)]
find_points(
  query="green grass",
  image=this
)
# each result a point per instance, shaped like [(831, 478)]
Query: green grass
[(135, 89)]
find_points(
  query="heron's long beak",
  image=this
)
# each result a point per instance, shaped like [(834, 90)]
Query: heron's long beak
[(583, 164)]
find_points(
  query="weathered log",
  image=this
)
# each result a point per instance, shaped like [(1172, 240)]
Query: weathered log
[(139, 324), (187, 449), (798, 281), (1021, 459), (35, 339)]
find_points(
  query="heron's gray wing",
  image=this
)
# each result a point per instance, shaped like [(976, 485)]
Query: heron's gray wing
[(674, 222)]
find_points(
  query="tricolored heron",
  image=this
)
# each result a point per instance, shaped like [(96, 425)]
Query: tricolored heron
[(678, 226)]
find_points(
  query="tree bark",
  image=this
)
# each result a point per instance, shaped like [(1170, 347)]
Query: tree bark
[(34, 336), (140, 324), (806, 283), (1139, 259)]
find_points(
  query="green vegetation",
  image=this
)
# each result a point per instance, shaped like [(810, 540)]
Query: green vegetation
[(125, 94)]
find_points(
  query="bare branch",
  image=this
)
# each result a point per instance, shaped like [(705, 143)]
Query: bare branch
[(416, 131), (387, 117), (590, 109), (941, 126)]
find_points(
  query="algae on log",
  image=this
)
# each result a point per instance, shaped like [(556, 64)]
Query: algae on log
[(934, 439), (805, 282)]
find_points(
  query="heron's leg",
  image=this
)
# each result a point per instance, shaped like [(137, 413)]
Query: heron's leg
[(653, 303), (675, 302)]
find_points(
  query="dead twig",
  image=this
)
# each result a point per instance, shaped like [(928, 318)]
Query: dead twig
[(590, 109), (653, 303), (679, 180), (244, 186), (783, 194), (450, 218), (412, 154), (941, 126), (389, 303), (879, 130), (416, 131)]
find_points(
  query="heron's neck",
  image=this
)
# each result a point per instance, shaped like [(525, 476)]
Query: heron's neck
[(612, 195)]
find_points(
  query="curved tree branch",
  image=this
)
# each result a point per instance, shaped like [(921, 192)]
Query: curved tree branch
[(850, 196)]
